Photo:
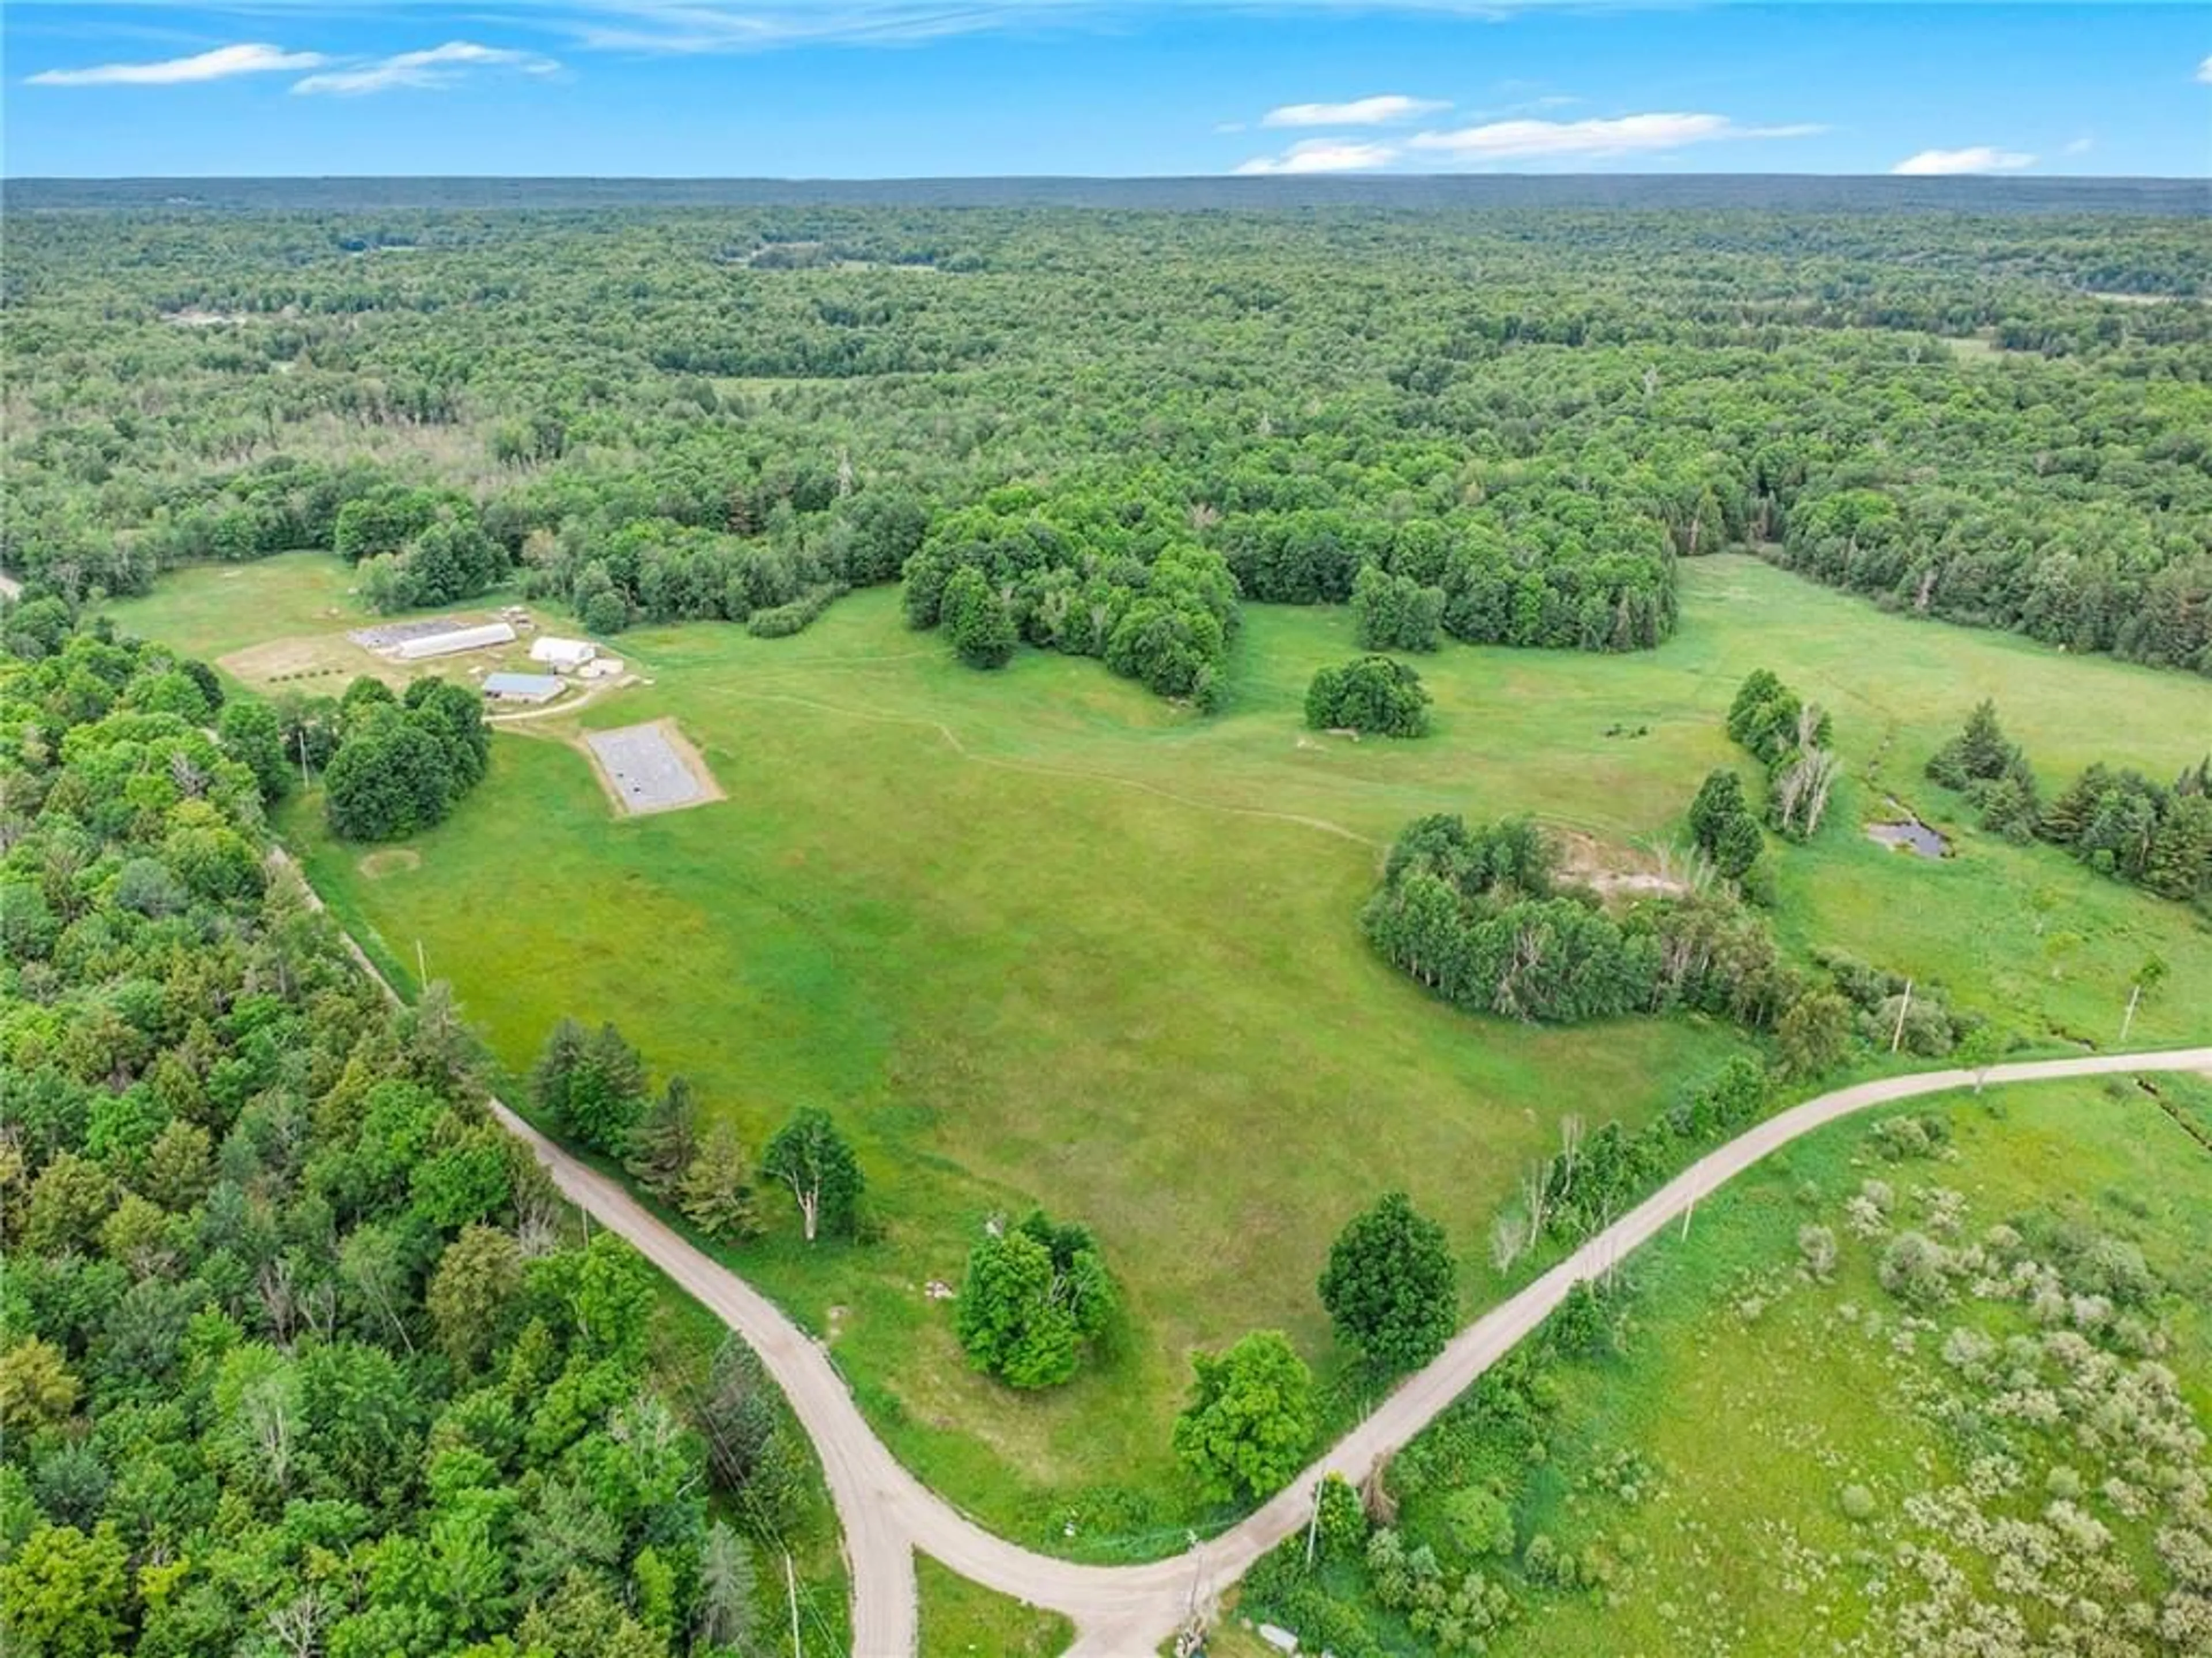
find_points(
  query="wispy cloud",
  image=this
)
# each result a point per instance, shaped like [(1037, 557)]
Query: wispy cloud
[(2204, 71), (700, 26), (752, 25), (2081, 146), (432, 68), (743, 25), (1323, 155), (1976, 157), (1380, 111), (251, 58), (1592, 140)]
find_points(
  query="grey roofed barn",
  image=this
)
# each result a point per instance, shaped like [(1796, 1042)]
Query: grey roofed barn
[(521, 687)]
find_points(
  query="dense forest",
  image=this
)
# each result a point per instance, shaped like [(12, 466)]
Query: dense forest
[(1125, 422), (301, 1352)]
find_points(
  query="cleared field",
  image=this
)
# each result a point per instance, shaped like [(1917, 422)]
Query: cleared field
[(284, 623), (1036, 937)]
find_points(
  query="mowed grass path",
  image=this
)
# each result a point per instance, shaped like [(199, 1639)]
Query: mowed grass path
[(1756, 1423), (1037, 937)]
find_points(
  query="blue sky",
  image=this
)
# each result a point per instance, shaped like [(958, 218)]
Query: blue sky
[(907, 88)]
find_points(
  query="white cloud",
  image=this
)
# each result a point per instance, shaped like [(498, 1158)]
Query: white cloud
[(1323, 155), (1376, 111), (2081, 146), (705, 25), (432, 68), (1624, 134), (2204, 71), (1977, 158), (251, 57)]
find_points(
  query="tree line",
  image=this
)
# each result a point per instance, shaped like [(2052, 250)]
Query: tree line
[(594, 1090), (1523, 450), (1790, 738), (2116, 821)]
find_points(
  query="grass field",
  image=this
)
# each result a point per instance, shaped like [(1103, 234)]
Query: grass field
[(1037, 937), (1755, 1396), (961, 1619)]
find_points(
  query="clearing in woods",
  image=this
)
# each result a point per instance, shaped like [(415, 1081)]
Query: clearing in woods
[(1029, 937)]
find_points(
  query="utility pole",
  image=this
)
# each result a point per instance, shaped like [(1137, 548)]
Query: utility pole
[(1313, 1528), (421, 970), (305, 783), (2134, 995), (1903, 1008), (1689, 1210), (791, 1592)]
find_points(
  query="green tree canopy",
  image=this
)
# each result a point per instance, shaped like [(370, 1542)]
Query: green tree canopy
[(1250, 1418), (812, 1158), (1390, 1286)]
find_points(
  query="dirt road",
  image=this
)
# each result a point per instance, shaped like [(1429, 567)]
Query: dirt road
[(1122, 1611), (1126, 1612)]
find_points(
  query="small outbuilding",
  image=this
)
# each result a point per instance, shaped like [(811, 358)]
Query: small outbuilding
[(521, 687), (479, 637), (562, 655)]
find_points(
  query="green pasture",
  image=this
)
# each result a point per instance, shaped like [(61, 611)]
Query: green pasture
[(964, 1620), (1756, 1397), (1037, 937)]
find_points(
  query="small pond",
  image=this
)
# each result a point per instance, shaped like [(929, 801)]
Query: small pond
[(1912, 835)]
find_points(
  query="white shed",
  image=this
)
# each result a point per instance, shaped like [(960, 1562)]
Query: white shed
[(562, 655), (481, 636)]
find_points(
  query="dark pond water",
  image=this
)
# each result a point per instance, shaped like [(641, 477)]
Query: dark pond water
[(1912, 835)]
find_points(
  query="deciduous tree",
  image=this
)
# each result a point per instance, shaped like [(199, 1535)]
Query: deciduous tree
[(1390, 1286), (811, 1158), (1250, 1418)]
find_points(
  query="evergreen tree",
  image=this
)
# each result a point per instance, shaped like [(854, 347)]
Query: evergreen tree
[(558, 1062), (727, 1618), (717, 1192), (666, 1139), (606, 1092)]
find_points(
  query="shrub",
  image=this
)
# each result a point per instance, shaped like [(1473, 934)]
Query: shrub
[(1480, 1521), (1371, 694), (1915, 1268)]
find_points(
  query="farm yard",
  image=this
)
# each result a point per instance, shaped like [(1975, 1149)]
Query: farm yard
[(1027, 935)]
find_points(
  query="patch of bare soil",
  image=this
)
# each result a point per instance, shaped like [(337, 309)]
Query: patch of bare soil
[(330, 657), (1613, 871)]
